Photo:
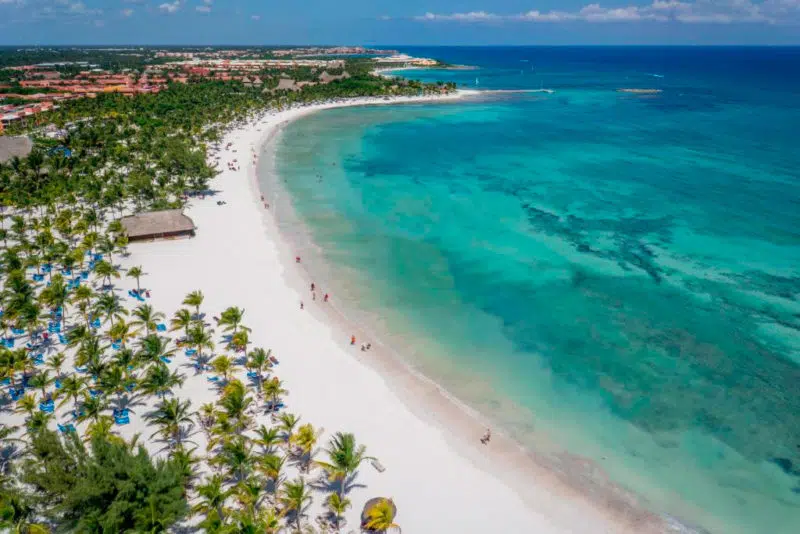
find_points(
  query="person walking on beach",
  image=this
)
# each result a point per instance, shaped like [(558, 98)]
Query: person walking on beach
[(326, 298), (352, 340), (301, 304), (312, 286), (487, 436)]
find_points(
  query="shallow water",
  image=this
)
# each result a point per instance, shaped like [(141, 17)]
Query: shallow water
[(616, 274)]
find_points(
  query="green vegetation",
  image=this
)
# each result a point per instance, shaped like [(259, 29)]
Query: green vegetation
[(112, 486), (80, 358)]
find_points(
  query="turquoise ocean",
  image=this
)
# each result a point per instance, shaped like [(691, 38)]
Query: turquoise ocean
[(611, 275)]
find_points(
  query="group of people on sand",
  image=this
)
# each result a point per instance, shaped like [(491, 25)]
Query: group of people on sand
[(364, 346), (313, 289)]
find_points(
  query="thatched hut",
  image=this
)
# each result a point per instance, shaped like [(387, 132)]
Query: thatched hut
[(14, 146), (326, 77), (158, 225)]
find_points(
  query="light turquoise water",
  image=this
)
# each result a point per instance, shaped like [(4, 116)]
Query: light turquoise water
[(615, 275)]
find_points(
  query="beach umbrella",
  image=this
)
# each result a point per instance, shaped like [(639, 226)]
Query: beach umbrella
[(379, 512)]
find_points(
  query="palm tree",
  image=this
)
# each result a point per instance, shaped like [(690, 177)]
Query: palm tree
[(187, 462), (337, 506), (152, 347), (26, 405), (344, 458), (223, 365), (258, 361), (72, 388), (182, 320), (200, 339), (137, 273), (89, 352), (41, 381), (287, 423), (231, 318), (17, 515), (380, 516), (234, 404), (171, 416), (212, 496), (271, 466), (56, 295), (295, 499), (236, 455), (106, 271), (56, 362), (122, 332), (110, 307), (92, 408), (268, 437), (159, 381), (102, 427), (207, 415), (195, 298), (82, 297), (37, 422), (147, 317), (273, 389), (250, 494), (239, 341), (305, 439), (11, 363), (113, 381)]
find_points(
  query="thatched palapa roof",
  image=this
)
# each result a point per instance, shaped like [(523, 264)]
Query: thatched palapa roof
[(326, 77), (14, 146), (156, 223)]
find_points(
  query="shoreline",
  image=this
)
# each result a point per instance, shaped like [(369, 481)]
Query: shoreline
[(421, 393), (439, 475)]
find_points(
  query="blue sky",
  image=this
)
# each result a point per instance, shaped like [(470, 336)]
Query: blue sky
[(410, 22)]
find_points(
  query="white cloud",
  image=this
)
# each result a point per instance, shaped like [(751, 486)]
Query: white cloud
[(698, 11), (127, 12), (170, 7), (255, 17), (550, 16), (203, 9), (472, 16)]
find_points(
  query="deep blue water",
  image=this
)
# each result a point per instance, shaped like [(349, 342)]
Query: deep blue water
[(612, 273)]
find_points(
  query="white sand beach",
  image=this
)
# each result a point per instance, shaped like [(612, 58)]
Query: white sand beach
[(439, 475)]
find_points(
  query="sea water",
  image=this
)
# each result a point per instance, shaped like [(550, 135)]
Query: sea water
[(610, 275)]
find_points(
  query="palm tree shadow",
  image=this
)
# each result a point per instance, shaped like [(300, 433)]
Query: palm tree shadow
[(6, 404), (292, 515), (184, 433), (199, 365), (128, 402), (345, 486), (8, 454)]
